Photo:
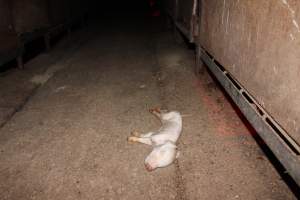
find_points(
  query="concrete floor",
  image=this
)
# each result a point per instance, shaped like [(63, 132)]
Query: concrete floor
[(67, 139)]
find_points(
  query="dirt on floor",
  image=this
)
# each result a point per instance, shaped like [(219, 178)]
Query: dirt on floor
[(68, 141)]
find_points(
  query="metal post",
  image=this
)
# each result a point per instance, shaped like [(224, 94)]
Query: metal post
[(20, 61)]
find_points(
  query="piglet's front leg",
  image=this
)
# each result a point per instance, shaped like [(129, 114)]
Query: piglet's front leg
[(135, 133), (133, 139)]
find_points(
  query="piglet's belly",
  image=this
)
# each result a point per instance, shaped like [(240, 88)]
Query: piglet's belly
[(163, 138)]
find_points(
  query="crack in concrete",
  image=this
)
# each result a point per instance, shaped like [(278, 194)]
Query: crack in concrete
[(180, 184), (19, 107), (159, 77)]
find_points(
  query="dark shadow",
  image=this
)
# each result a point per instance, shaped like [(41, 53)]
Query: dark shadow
[(7, 66), (33, 49)]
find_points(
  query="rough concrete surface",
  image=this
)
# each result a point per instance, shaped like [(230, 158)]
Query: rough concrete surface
[(16, 86), (69, 140)]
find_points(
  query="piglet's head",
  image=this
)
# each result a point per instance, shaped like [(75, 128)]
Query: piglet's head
[(161, 156)]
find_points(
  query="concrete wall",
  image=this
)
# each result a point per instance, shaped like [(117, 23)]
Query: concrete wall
[(5, 15), (8, 37), (26, 16), (62, 11), (59, 11), (30, 15), (259, 43)]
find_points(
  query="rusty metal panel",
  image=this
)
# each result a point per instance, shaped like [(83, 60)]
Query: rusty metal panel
[(282, 145), (29, 15), (258, 42)]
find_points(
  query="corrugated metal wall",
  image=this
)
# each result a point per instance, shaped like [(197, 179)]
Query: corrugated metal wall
[(258, 42)]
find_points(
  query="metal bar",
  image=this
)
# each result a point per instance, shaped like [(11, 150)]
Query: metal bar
[(186, 32), (176, 10), (47, 41), (20, 61), (282, 145), (193, 21)]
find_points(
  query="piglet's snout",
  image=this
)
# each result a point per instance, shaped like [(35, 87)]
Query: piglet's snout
[(148, 167)]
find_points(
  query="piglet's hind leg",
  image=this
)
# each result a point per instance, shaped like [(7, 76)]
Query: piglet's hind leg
[(156, 112)]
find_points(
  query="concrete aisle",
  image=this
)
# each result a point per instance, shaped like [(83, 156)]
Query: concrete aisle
[(69, 140)]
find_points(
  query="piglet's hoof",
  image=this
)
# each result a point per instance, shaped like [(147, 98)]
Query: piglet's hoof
[(131, 139), (154, 110), (135, 133)]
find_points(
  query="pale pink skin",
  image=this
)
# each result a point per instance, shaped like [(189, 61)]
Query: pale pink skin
[(163, 141), (161, 156)]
